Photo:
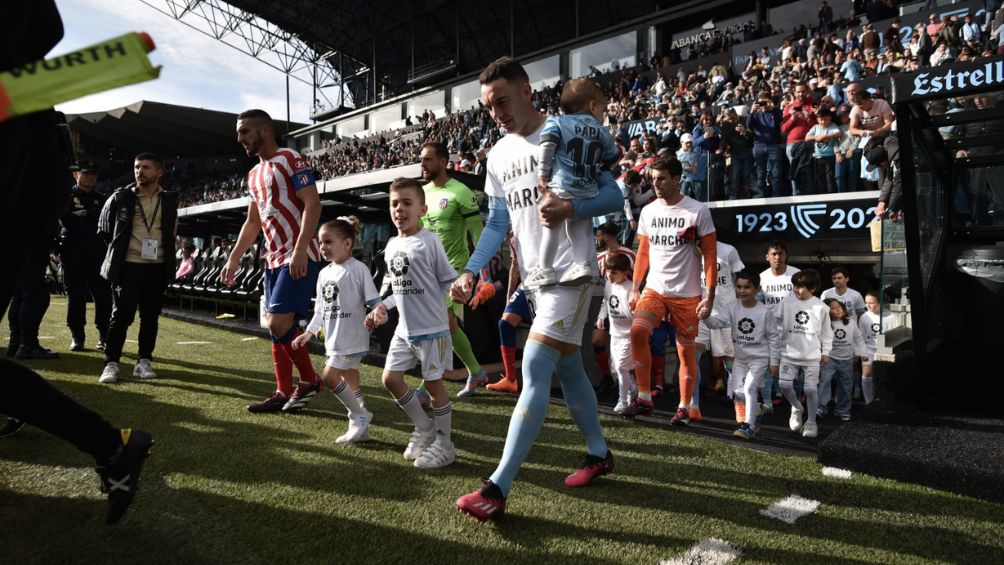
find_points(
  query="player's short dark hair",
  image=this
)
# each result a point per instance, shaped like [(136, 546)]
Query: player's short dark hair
[(255, 114), (578, 93), (632, 177), (618, 262), (668, 164), (808, 279), (438, 148), (402, 183), (506, 68), (347, 227), (146, 156), (776, 244), (750, 275), (874, 293), (839, 271), (609, 228)]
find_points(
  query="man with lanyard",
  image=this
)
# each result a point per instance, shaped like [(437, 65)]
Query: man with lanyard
[(81, 256), (138, 222), (454, 216)]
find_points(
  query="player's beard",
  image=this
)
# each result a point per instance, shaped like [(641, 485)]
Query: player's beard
[(429, 174)]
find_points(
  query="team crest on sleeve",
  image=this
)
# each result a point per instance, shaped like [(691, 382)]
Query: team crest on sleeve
[(300, 164), (443, 203), (398, 264)]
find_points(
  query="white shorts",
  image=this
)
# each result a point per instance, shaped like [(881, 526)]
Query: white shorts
[(560, 312), (789, 372), (620, 354), (435, 355), (344, 362), (747, 374), (703, 335)]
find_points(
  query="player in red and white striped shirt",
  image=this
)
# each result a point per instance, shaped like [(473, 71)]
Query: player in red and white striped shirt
[(285, 203)]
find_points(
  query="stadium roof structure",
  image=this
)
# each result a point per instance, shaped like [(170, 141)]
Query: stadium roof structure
[(165, 129), (377, 49)]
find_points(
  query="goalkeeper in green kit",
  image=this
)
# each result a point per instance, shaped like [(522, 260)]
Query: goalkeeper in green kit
[(454, 216)]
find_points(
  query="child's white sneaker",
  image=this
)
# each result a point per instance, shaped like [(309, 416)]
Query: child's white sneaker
[(795, 421), (439, 454), (420, 440), (621, 405), (358, 429), (541, 276), (577, 274), (809, 430)]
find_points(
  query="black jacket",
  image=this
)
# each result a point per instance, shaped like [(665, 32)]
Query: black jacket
[(115, 227), (79, 224)]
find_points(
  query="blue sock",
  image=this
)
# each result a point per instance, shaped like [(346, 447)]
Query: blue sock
[(528, 416), (507, 334), (581, 401), (695, 399)]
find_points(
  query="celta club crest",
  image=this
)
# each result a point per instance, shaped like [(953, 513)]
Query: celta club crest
[(746, 326), (330, 291), (802, 317), (398, 264)]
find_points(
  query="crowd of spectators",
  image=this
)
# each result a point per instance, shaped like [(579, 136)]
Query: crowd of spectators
[(793, 121)]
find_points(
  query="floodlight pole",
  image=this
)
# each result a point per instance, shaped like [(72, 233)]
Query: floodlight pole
[(287, 103)]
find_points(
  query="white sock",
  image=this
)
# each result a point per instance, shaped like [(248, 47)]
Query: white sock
[(788, 390), (413, 408), (812, 403), (752, 405), (443, 418), (347, 397), (868, 388), (623, 384)]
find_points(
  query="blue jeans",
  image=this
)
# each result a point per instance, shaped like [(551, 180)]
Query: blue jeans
[(807, 184), (768, 160), (696, 189), (840, 370), (740, 173)]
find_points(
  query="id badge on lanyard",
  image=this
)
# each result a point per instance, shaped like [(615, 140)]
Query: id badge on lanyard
[(148, 251)]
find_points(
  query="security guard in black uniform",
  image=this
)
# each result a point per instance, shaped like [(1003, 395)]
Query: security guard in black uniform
[(82, 254)]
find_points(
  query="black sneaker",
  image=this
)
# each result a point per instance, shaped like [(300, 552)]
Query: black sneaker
[(273, 403), (120, 478), (101, 345), (77, 345), (638, 408), (12, 348), (682, 417), (302, 394), (35, 352), (11, 427)]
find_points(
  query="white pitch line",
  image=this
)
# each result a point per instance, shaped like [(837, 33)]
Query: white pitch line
[(252, 338), (837, 473), (790, 509), (712, 551), (46, 337), (131, 341), (194, 342)]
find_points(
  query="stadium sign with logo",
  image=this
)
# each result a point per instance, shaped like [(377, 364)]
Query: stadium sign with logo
[(953, 79), (832, 219), (712, 29)]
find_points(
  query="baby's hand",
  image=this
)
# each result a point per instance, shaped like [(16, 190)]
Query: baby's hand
[(824, 359), (774, 370)]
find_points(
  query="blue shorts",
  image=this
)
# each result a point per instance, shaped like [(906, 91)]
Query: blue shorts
[(519, 305), (284, 294)]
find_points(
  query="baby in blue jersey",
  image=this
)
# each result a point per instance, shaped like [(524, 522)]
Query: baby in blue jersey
[(574, 149)]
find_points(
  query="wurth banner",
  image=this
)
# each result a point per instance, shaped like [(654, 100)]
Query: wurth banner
[(44, 83)]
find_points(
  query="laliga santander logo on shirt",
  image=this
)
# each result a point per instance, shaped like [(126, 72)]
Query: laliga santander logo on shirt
[(614, 302), (746, 326), (876, 328), (330, 291), (399, 264), (802, 317), (839, 333)]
